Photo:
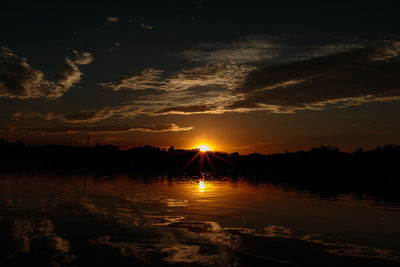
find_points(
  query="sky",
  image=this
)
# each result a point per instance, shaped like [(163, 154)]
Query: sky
[(246, 76)]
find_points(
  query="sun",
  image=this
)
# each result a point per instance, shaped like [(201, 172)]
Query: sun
[(204, 148), (202, 185)]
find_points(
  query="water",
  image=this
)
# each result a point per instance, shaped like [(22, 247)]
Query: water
[(86, 219)]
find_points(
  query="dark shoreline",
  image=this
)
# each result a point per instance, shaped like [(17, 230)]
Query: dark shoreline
[(323, 171), (323, 160)]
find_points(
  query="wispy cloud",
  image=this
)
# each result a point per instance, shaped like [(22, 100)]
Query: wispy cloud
[(112, 19), (111, 129), (226, 75), (126, 111), (246, 50), (69, 75), (81, 116), (259, 49), (146, 27), (203, 89), (146, 79)]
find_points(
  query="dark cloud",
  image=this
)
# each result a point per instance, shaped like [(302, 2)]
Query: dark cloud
[(19, 80), (80, 116), (185, 109), (353, 77), (94, 115), (83, 116), (203, 90)]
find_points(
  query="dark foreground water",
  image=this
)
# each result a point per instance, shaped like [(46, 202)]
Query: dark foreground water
[(92, 220)]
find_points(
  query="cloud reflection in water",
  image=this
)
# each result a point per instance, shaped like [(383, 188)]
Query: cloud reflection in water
[(173, 223)]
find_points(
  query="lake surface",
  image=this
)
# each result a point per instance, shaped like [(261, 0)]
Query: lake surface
[(56, 219)]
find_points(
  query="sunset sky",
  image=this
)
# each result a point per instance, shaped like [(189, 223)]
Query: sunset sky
[(236, 75)]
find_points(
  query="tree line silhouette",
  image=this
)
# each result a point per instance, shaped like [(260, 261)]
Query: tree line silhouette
[(324, 170), (383, 159), (324, 163)]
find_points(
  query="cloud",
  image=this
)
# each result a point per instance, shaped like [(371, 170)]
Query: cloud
[(81, 116), (126, 111), (83, 58), (19, 80), (70, 74), (114, 129), (277, 231), (353, 77), (185, 109), (25, 232), (112, 19), (228, 76), (339, 75), (225, 75), (114, 46), (87, 116), (342, 75), (146, 27), (202, 89), (146, 79), (246, 50), (259, 49)]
